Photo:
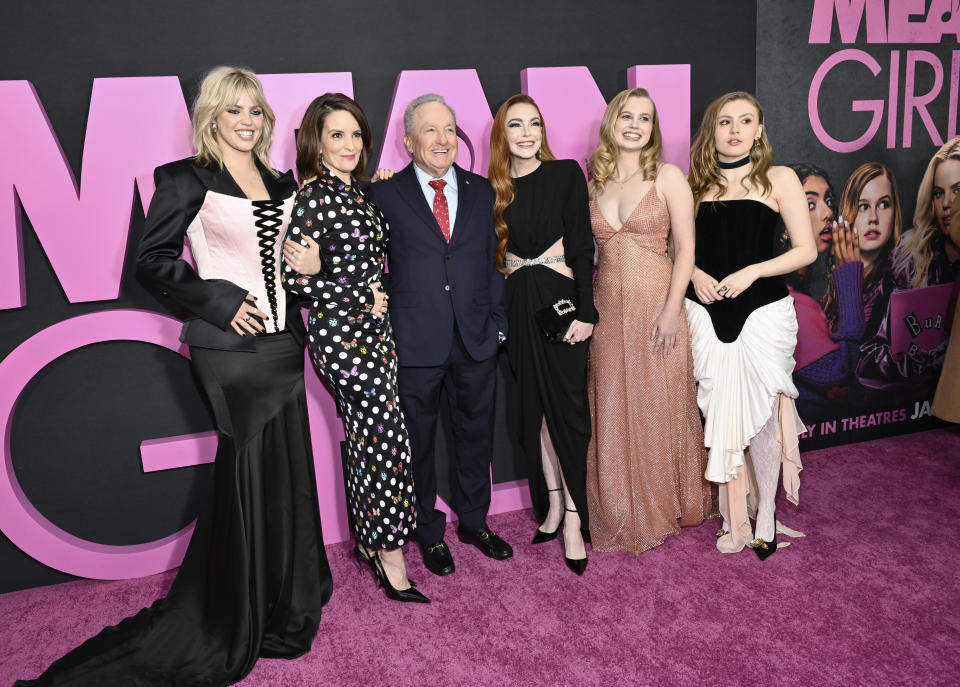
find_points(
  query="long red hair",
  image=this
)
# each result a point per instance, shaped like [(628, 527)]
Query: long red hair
[(498, 171)]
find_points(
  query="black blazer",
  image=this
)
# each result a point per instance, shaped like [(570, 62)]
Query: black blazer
[(206, 305), (434, 285)]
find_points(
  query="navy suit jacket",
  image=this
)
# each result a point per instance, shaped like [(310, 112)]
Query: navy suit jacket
[(434, 285)]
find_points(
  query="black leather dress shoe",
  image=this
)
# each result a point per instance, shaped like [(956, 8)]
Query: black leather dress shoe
[(488, 542), (438, 559)]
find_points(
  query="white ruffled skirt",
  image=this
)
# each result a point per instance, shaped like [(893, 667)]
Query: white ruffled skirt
[(738, 384)]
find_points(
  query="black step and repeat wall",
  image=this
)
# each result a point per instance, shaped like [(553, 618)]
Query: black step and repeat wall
[(106, 439)]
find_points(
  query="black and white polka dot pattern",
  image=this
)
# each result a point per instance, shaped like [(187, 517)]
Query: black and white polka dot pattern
[(355, 353)]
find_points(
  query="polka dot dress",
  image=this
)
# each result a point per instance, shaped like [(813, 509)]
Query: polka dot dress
[(355, 353)]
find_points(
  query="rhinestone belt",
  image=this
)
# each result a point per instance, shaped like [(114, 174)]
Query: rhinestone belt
[(514, 264)]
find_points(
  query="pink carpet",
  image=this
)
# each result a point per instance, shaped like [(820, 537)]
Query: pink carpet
[(869, 597)]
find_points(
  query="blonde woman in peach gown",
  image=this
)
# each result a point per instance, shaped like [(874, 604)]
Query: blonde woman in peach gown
[(646, 458)]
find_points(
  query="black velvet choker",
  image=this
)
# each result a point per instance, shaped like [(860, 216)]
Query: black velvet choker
[(736, 163)]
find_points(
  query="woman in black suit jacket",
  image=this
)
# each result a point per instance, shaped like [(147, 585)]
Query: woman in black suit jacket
[(255, 576)]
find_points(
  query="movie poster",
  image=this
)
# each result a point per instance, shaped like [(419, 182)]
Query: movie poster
[(861, 101)]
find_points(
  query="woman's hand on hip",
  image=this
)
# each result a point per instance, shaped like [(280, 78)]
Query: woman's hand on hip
[(245, 322)]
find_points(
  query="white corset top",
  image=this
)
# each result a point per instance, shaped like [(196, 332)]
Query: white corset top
[(241, 241)]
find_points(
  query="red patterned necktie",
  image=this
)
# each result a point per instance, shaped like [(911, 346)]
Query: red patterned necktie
[(440, 209)]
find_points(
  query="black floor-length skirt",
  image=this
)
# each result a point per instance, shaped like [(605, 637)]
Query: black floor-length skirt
[(552, 380), (255, 576)]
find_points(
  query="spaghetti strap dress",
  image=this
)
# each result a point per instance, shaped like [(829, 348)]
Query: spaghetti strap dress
[(646, 459)]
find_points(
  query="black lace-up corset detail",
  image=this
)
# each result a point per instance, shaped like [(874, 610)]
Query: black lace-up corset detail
[(269, 215)]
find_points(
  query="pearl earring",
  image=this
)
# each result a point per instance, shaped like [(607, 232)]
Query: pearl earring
[(213, 125)]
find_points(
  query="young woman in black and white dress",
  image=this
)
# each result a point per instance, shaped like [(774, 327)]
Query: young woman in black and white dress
[(742, 320)]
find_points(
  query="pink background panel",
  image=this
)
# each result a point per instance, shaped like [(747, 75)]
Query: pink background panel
[(572, 107), (669, 86), (462, 90), (23, 524), (289, 95), (84, 231), (83, 228)]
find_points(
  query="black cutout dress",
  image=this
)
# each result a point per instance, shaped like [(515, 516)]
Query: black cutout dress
[(551, 203)]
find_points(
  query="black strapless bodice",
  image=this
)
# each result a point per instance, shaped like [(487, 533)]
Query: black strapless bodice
[(731, 235)]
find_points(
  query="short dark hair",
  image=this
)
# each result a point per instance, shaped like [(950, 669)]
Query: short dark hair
[(311, 129)]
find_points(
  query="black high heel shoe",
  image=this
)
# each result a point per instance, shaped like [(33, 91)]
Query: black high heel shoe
[(363, 559), (412, 595), (577, 565), (762, 548), (540, 537)]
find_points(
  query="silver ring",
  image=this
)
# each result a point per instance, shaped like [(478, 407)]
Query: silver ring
[(723, 289), (246, 319)]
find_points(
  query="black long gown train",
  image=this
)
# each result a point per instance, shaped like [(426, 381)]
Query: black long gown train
[(239, 594), (255, 576)]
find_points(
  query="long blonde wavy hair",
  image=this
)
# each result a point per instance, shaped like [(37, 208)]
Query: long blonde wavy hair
[(704, 167), (847, 209), (913, 257), (498, 171), (603, 161), (220, 89)]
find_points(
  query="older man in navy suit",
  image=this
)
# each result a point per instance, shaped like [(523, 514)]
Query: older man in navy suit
[(447, 311)]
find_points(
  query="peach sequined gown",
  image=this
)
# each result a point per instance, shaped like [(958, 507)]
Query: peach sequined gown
[(646, 458)]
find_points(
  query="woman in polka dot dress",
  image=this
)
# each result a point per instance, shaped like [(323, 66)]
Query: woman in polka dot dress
[(334, 256)]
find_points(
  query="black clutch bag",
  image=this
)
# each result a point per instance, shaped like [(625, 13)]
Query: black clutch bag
[(555, 320)]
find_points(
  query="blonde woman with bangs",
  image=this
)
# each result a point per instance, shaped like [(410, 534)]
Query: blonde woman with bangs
[(255, 576), (645, 461), (926, 255), (742, 319)]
